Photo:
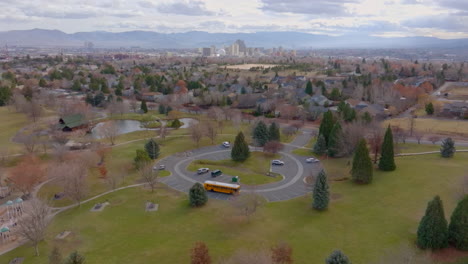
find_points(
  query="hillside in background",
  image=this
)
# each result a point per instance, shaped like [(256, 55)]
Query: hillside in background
[(195, 39)]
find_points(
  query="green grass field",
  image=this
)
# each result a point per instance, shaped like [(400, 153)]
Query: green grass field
[(363, 221), (11, 123), (252, 172)]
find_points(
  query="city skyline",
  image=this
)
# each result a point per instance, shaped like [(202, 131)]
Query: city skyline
[(390, 18)]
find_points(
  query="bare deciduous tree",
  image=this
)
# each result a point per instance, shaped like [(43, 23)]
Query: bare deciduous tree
[(33, 225), (196, 132), (149, 176), (29, 141), (109, 131), (26, 175), (163, 131), (434, 139), (352, 134), (273, 147), (281, 254), (418, 135), (375, 139), (133, 104), (33, 109), (74, 182), (211, 130), (248, 203)]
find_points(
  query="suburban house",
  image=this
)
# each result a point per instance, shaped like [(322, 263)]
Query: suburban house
[(151, 96), (458, 109), (72, 122), (319, 100)]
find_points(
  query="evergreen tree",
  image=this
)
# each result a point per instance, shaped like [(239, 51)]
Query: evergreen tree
[(387, 160), (152, 148), (176, 123), (326, 125), (335, 144), (432, 231), (320, 147), (335, 94), (168, 110), (366, 117), (448, 148), (75, 258), (430, 108), (320, 194), (362, 170), (162, 109), (240, 151), (458, 228), (42, 83), (197, 195), (76, 86), (337, 257), (5, 95), (309, 89), (55, 256), (143, 107), (260, 134), (274, 132), (141, 159)]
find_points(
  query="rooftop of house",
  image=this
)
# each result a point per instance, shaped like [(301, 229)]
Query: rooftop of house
[(72, 121)]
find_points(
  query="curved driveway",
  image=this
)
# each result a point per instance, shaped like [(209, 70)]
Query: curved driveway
[(294, 171)]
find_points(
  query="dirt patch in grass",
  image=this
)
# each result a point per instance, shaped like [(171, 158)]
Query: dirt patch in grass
[(448, 255), (336, 196)]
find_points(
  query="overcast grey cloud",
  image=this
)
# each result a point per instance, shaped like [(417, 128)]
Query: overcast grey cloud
[(443, 18), (312, 7), (191, 8)]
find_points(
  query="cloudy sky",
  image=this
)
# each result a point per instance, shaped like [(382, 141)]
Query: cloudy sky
[(439, 18)]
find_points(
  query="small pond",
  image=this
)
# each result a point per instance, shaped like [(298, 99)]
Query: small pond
[(128, 126)]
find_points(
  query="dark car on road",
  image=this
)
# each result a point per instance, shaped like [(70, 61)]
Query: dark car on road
[(216, 173)]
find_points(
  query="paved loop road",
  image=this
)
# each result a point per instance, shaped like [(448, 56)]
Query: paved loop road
[(292, 185)]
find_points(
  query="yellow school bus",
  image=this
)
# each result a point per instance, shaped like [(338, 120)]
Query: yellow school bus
[(221, 187)]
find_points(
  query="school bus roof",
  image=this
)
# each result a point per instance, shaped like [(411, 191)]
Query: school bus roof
[(223, 184)]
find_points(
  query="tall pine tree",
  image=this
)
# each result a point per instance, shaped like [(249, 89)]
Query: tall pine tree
[(143, 107), (260, 134), (274, 132), (326, 125), (458, 228), (432, 231), (362, 171), (387, 159), (240, 151), (309, 89), (335, 143), (448, 148), (337, 257), (320, 147), (320, 194), (197, 195), (152, 148)]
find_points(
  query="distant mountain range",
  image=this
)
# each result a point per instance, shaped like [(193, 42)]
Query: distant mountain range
[(196, 39)]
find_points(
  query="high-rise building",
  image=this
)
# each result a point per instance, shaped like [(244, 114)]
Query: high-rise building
[(213, 50), (206, 52), (242, 46), (235, 49)]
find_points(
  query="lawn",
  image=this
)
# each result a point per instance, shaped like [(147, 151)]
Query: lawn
[(431, 125), (11, 122), (363, 221), (252, 171)]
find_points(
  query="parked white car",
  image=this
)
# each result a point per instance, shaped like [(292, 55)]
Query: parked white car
[(277, 162), (226, 144), (203, 170), (312, 160)]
